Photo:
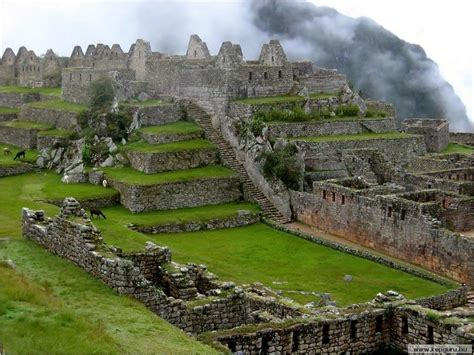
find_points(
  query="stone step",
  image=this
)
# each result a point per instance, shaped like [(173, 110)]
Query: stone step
[(230, 160)]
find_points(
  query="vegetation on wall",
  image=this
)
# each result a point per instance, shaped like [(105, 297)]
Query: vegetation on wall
[(281, 164)]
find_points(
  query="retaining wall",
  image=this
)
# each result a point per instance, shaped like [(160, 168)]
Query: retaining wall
[(57, 118), (328, 127), (167, 161), (20, 137), (139, 198)]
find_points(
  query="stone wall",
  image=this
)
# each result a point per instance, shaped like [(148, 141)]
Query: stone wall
[(449, 300), (11, 99), (355, 334), (382, 106), (20, 137), (157, 115), (244, 218), (136, 274), (435, 131), (48, 141), (397, 226), (93, 202), (399, 150), (16, 169), (328, 127), (463, 138), (59, 119), (139, 198), (150, 163), (412, 325), (440, 162), (324, 81), (8, 116)]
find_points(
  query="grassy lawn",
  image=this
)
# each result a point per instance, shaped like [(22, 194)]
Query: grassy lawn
[(458, 148), (56, 133), (180, 127), (7, 160), (25, 125), (260, 253), (8, 110), (47, 296), (354, 137), (131, 176), (59, 105), (168, 147), (281, 99), (27, 90), (147, 103)]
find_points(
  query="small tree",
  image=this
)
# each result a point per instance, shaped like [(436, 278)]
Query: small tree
[(102, 94)]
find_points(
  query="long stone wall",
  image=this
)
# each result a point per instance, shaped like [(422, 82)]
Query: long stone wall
[(157, 115), (15, 100), (57, 118), (139, 198), (399, 150), (328, 127), (398, 227), (242, 219), (150, 162), (7, 116), (16, 169), (463, 138), (135, 274), (20, 137)]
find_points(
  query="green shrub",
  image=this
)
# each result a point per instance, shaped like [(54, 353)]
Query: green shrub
[(256, 126), (369, 113), (282, 165), (102, 94), (347, 110)]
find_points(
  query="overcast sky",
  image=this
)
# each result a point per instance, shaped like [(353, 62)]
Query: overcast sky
[(442, 28)]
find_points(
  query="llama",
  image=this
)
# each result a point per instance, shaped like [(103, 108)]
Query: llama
[(7, 151), (97, 212), (65, 179), (105, 183)]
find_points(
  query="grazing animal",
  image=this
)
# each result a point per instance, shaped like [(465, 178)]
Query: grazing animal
[(105, 183), (7, 151), (20, 155), (97, 212), (65, 179)]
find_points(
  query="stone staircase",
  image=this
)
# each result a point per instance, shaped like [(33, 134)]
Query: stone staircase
[(229, 159)]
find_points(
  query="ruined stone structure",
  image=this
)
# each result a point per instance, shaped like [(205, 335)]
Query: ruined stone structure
[(382, 324), (361, 178)]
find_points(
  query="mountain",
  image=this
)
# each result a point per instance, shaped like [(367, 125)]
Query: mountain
[(376, 61)]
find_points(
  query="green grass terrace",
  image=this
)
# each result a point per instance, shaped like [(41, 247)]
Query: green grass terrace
[(46, 295), (282, 99), (130, 176), (26, 125), (458, 148), (180, 127), (58, 105), (7, 160), (28, 90), (191, 144), (8, 110), (354, 137)]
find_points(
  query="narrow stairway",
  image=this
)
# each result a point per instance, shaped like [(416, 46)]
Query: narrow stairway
[(229, 159)]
